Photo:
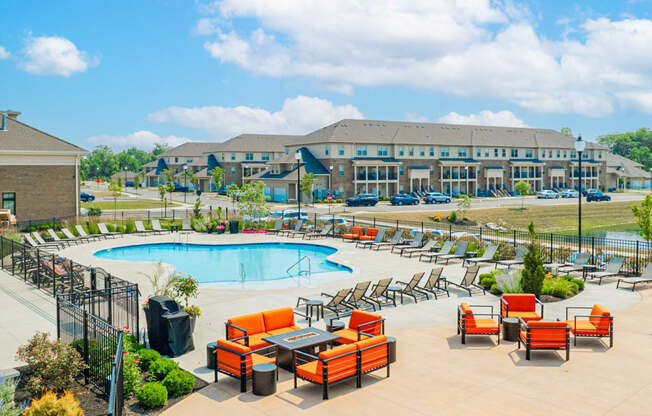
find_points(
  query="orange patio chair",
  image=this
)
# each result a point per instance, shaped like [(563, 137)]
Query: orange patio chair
[(362, 325), (331, 366), (356, 233), (544, 335), (468, 322), (520, 305), (236, 360), (600, 323), (370, 235)]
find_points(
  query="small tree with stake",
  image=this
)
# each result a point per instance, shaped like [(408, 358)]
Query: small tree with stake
[(218, 176), (307, 183), (533, 271), (115, 189), (642, 214), (463, 204), (523, 188)]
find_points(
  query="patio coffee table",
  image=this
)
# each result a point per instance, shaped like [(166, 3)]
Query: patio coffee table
[(306, 340)]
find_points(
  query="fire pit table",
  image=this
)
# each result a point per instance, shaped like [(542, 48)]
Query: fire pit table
[(309, 340)]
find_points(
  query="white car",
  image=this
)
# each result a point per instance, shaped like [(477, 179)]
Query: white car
[(329, 219), (547, 194)]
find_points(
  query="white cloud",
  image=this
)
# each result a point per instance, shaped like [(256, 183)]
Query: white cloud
[(206, 26), (503, 118), (416, 118), (299, 115), (55, 56), (475, 48), (142, 139), (4, 54)]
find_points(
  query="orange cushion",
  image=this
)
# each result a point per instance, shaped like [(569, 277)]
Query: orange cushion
[(255, 341), (360, 317), (526, 316), (544, 343), (520, 302), (371, 232), (351, 236), (252, 323), (278, 318), (284, 330), (367, 237), (601, 323), (230, 362), (546, 334), (373, 357), (347, 336), (338, 368)]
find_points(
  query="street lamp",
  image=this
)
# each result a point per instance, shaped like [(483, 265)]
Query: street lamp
[(330, 186), (297, 156), (579, 148), (185, 182), (125, 169)]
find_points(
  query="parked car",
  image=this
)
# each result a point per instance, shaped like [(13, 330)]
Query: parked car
[(436, 198), (294, 214), (586, 192), (368, 200), (404, 199), (569, 193), (597, 197), (547, 194), (86, 197), (329, 219)]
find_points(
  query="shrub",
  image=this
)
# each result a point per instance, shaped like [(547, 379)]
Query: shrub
[(562, 287), (94, 211), (130, 227), (120, 229), (49, 404), (152, 395), (578, 282), (339, 200), (111, 228), (494, 289), (161, 368), (147, 357), (52, 365), (179, 383), (92, 228), (317, 201), (452, 217), (7, 406), (504, 252), (533, 271), (510, 283), (436, 218), (466, 219), (198, 225), (131, 374)]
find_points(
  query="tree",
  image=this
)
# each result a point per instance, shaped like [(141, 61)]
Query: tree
[(523, 188), (165, 188), (218, 176), (119, 181), (115, 189), (642, 214), (632, 145), (307, 183), (232, 191), (533, 272), (252, 201), (463, 204), (160, 148), (567, 131), (137, 181)]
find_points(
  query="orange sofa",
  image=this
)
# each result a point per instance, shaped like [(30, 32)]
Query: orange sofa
[(370, 235), (544, 335), (356, 233), (342, 363), (468, 322), (250, 330), (236, 360), (361, 324), (600, 323), (520, 305)]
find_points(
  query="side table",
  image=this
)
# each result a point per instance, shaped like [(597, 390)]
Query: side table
[(333, 325), (314, 304), (511, 328), (264, 379)]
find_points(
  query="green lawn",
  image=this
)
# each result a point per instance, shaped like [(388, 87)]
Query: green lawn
[(603, 216), (137, 204)]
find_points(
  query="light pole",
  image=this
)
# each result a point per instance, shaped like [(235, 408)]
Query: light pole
[(466, 176), (185, 182), (297, 156), (330, 187), (579, 147), (125, 169)]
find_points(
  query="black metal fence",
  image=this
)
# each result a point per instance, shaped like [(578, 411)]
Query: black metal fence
[(116, 392)]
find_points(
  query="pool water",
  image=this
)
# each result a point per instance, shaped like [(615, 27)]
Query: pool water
[(228, 263)]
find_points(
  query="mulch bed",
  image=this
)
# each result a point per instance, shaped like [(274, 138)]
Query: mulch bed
[(93, 402)]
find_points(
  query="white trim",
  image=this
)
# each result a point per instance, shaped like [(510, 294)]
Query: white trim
[(77, 186), (45, 152), (34, 160)]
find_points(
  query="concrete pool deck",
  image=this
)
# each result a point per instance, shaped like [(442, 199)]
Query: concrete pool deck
[(218, 304)]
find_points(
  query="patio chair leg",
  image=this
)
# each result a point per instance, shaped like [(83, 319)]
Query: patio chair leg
[(387, 370), (567, 353), (243, 384), (575, 340), (463, 338), (527, 353), (325, 391), (216, 373)]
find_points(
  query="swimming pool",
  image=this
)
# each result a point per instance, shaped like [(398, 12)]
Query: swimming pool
[(229, 263)]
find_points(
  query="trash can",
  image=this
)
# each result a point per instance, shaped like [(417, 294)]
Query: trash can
[(210, 355), (233, 227)]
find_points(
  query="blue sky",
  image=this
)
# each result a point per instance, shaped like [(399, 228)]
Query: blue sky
[(134, 73)]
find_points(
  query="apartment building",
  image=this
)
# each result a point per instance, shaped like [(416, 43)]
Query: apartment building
[(189, 155), (39, 173), (623, 173)]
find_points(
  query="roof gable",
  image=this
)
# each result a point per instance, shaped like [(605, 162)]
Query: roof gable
[(21, 137)]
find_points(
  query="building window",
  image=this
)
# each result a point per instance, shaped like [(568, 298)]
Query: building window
[(461, 152), (504, 152), (340, 170), (265, 156), (326, 150), (542, 155), (287, 151), (222, 156), (232, 156), (514, 152), (362, 150), (599, 155), (479, 152), (401, 151), (422, 151), (400, 170), (382, 150), (249, 156), (232, 171), (411, 151), (445, 152), (9, 201), (486, 152), (529, 154), (558, 154), (176, 160), (573, 155), (565, 154), (495, 152), (432, 151), (341, 150)]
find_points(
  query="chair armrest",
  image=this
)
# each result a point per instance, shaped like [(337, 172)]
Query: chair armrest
[(401, 282), (575, 307), (305, 354), (326, 360), (540, 304), (370, 323), (265, 350), (235, 327), (309, 319), (483, 306), (486, 314), (327, 295)]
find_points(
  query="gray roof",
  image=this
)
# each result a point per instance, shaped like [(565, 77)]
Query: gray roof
[(395, 132), (255, 143), (618, 160), (188, 149), (623, 166), (19, 137)]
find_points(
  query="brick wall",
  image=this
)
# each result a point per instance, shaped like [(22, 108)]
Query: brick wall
[(41, 191)]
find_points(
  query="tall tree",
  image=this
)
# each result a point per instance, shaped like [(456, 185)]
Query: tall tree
[(567, 131), (160, 148), (523, 188), (307, 183), (252, 201), (642, 214), (218, 176), (633, 145), (533, 272)]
